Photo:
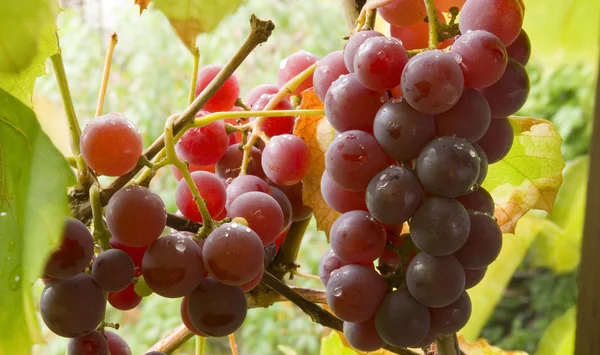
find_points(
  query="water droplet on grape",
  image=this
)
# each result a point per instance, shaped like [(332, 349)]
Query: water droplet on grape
[(337, 292), (180, 246), (234, 225)]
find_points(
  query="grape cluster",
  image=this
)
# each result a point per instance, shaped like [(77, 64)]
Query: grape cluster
[(415, 137)]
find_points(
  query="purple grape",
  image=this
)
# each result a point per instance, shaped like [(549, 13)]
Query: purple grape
[(74, 253), (435, 281), (398, 310)]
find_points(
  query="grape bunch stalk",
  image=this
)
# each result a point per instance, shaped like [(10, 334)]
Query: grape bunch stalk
[(419, 116)]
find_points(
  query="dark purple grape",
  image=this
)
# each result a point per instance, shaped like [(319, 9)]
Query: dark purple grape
[(483, 164), (402, 321), (329, 263), (448, 166), (427, 341), (378, 62), (328, 70), (116, 344), (92, 343), (451, 318), (402, 131), (216, 309), (113, 270), (357, 39), (172, 266), (478, 200), (363, 336), (72, 307), (351, 106), (233, 254), (508, 94), (230, 164), (520, 49), (474, 277), (432, 82), (74, 253), (435, 281), (484, 242), (354, 292), (357, 238), (393, 195), (440, 226), (468, 119), (497, 140), (284, 204), (340, 199)]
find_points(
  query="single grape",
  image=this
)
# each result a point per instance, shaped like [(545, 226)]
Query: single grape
[(415, 36), (185, 317), (403, 12), (481, 56), (74, 253), (216, 309), (229, 166), (497, 140), (445, 5), (136, 216), (351, 106), (293, 65), (113, 270), (233, 254), (328, 70), (520, 49), (286, 159), (258, 91), (402, 131), (393, 195), (503, 18), (398, 310), (72, 307), (284, 204), (354, 292), (126, 299), (111, 145), (363, 336), (478, 200), (468, 119), (340, 199), (92, 343), (483, 164), (379, 61), (357, 238), (250, 285), (510, 93), (274, 126), (484, 242), (353, 158), (225, 97), (116, 344), (300, 211), (432, 82), (135, 253), (451, 318), (203, 145), (474, 277), (191, 169), (435, 281), (440, 226), (262, 212), (329, 263), (448, 166), (429, 338), (211, 190), (243, 184), (355, 41), (173, 266)]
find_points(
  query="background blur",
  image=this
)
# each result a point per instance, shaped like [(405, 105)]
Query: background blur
[(528, 297)]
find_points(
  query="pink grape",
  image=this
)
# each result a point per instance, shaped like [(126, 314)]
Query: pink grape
[(503, 18), (203, 145), (353, 44), (379, 61), (211, 190), (294, 65), (274, 126), (262, 212), (263, 89), (340, 199), (328, 70), (243, 184), (286, 159)]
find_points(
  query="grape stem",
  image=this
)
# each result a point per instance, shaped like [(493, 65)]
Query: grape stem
[(285, 259), (101, 233), (200, 345), (232, 344), (303, 275), (196, 54), (208, 223), (255, 125), (433, 21), (240, 103), (448, 345), (112, 42), (368, 14)]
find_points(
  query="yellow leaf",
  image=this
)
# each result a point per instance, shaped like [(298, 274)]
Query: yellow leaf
[(482, 347), (143, 4), (317, 133), (530, 175)]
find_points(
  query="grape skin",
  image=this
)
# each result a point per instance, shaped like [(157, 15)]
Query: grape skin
[(293, 65), (356, 237), (451, 318), (429, 338), (510, 93), (403, 13), (225, 97), (468, 119), (72, 307), (229, 166), (503, 18), (74, 253), (116, 344), (363, 336), (484, 243), (211, 190), (262, 212), (483, 164), (286, 159), (497, 140), (124, 300), (185, 318), (253, 95), (398, 310), (445, 5), (435, 281), (328, 70), (136, 216), (284, 204), (243, 184), (274, 126), (92, 343), (113, 270), (520, 49), (474, 277), (329, 263), (203, 145), (478, 200), (377, 71), (300, 211), (353, 44), (340, 199)]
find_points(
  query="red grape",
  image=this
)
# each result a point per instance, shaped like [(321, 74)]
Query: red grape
[(293, 65), (225, 97), (124, 300), (203, 145), (451, 318), (503, 18), (274, 126), (262, 212), (230, 164), (116, 344), (356, 237), (185, 317), (258, 91), (403, 12), (92, 343), (474, 277), (211, 190), (378, 62), (250, 285), (192, 168)]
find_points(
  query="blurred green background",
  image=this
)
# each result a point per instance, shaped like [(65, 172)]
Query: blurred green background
[(149, 81)]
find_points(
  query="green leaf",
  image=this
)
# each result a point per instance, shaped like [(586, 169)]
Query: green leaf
[(563, 31), (33, 202), (333, 345), (20, 84), (489, 292), (530, 175), (189, 18), (21, 25), (558, 245), (559, 337)]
